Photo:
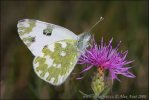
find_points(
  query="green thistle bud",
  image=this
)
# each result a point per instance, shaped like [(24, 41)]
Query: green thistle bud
[(98, 84)]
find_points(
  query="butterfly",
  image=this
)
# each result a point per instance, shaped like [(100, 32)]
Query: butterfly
[(56, 49)]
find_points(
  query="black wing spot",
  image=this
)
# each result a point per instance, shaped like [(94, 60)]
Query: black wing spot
[(47, 32), (45, 46), (33, 39)]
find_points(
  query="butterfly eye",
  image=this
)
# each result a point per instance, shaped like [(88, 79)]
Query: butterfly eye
[(47, 31)]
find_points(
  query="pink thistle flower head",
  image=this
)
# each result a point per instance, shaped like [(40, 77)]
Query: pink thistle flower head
[(106, 58)]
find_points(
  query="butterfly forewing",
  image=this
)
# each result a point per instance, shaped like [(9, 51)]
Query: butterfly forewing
[(36, 34)]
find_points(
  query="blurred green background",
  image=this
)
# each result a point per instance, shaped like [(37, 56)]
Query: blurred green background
[(126, 21)]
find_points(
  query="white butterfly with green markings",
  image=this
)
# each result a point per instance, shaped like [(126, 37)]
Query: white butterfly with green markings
[(56, 49)]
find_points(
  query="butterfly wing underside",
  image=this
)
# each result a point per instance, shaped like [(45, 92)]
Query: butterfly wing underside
[(54, 48), (57, 62), (33, 34)]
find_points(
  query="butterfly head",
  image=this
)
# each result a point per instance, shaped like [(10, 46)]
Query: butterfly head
[(83, 41)]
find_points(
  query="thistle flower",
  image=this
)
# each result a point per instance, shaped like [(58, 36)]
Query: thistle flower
[(104, 57)]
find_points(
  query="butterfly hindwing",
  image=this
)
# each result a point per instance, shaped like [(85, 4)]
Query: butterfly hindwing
[(57, 62), (36, 34)]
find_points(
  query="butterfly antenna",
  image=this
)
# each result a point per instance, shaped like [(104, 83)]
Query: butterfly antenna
[(101, 19)]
